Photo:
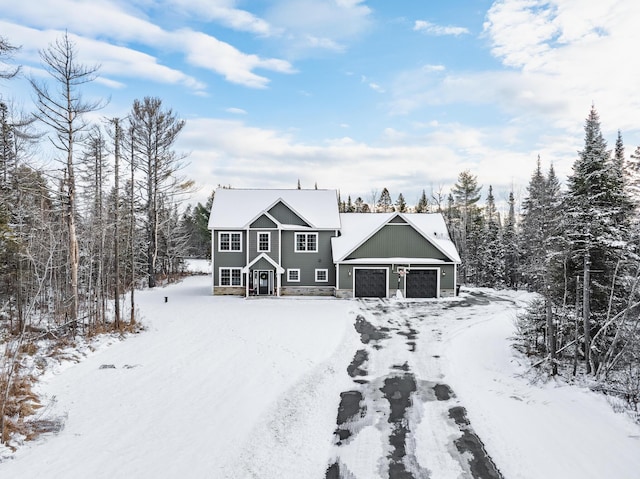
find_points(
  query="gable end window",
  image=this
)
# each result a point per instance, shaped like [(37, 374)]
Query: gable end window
[(230, 277), (293, 275), (306, 243), (229, 241), (322, 275), (264, 242)]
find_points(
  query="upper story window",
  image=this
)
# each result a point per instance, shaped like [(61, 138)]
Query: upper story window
[(264, 241), (307, 242), (229, 241)]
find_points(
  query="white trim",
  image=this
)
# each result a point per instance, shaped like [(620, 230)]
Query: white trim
[(326, 275), (257, 217), (268, 233), (230, 233), (291, 270), (266, 257), (306, 241), (230, 285)]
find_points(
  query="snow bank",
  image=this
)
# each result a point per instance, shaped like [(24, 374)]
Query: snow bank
[(210, 382), (235, 388), (534, 431)]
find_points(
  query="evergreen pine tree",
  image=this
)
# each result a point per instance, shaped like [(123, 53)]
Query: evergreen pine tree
[(466, 228), (511, 246), (401, 204), (349, 206), (598, 210), (491, 264), (423, 204), (384, 204)]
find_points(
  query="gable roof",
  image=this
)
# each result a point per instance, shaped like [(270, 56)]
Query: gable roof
[(266, 257), (237, 208), (357, 228)]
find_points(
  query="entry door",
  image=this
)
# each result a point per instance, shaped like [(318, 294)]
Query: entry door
[(265, 282)]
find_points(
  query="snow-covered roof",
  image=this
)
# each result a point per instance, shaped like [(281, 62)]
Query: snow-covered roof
[(237, 208), (358, 227)]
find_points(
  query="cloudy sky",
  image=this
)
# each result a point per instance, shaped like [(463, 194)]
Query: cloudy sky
[(356, 95)]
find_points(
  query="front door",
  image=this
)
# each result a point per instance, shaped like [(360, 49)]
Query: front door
[(265, 282)]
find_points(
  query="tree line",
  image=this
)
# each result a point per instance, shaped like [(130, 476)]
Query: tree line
[(576, 246), (75, 237)]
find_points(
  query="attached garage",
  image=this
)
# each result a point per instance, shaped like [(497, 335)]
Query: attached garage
[(383, 255), (421, 283), (370, 282)]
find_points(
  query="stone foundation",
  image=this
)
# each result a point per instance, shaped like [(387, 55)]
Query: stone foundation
[(307, 291), (229, 291)]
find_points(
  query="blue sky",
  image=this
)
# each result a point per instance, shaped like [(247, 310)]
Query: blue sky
[(356, 95)]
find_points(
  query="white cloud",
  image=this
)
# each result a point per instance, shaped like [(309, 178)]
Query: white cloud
[(376, 87), (225, 12), (438, 30), (559, 56), (570, 54), (221, 154), (107, 19), (205, 51), (236, 111), (114, 61), (318, 24)]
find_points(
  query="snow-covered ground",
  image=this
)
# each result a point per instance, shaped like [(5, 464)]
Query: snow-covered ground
[(235, 388)]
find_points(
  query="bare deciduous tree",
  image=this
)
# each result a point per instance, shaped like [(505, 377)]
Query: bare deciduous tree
[(63, 110)]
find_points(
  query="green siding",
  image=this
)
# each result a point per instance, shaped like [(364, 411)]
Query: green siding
[(264, 222), (446, 280), (398, 220), (253, 245), (307, 263), (397, 242), (227, 259), (285, 216), (263, 264)]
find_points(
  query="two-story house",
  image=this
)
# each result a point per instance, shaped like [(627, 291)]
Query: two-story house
[(295, 242)]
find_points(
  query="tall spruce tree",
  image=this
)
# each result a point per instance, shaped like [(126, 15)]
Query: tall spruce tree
[(598, 211), (511, 246), (401, 204), (423, 204), (465, 223), (384, 203), (492, 256)]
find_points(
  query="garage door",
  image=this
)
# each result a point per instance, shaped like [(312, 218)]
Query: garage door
[(371, 283), (422, 283)]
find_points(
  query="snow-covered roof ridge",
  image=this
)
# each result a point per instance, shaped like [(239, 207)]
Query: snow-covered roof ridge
[(238, 208), (359, 227)]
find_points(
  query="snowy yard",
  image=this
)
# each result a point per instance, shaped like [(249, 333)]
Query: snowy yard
[(235, 388)]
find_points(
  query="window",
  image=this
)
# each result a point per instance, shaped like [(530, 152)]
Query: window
[(293, 275), (264, 242), (322, 275), (306, 242), (230, 276), (229, 241)]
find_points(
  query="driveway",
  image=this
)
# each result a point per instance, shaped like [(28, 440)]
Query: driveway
[(399, 403)]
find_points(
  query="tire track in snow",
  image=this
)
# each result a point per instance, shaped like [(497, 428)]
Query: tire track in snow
[(381, 415)]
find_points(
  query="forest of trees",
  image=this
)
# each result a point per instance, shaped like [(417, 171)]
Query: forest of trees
[(576, 246), (77, 237), (76, 234)]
